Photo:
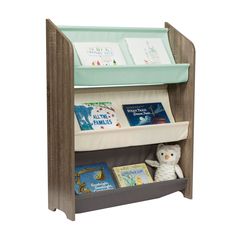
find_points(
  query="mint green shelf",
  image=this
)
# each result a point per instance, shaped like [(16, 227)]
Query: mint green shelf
[(130, 74)]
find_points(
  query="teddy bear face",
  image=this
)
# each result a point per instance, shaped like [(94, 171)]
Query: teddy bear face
[(168, 154)]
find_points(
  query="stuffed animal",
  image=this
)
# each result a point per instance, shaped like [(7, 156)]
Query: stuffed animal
[(167, 167)]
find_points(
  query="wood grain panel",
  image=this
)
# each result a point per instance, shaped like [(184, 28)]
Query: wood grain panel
[(60, 103), (182, 99)]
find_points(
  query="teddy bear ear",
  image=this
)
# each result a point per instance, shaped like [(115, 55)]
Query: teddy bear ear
[(159, 146), (177, 146), (178, 150)]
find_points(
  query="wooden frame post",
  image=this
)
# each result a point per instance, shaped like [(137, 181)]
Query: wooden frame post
[(60, 104), (182, 99)]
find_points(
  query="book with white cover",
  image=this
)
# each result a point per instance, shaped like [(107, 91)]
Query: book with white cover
[(99, 53), (148, 51)]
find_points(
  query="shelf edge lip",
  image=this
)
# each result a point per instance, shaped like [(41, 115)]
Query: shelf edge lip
[(133, 66), (131, 188), (114, 28), (90, 132), (115, 85), (125, 85)]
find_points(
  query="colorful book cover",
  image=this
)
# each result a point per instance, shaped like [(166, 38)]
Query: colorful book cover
[(99, 53), (145, 114), (148, 51), (132, 175), (96, 116), (93, 178)]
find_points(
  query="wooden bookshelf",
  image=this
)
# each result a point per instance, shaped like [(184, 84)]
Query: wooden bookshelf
[(62, 156)]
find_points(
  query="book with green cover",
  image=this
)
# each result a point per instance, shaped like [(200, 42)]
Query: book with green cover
[(132, 175)]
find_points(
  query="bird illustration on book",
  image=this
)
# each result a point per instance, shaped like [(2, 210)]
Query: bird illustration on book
[(139, 180), (144, 120), (82, 185), (132, 180), (129, 179)]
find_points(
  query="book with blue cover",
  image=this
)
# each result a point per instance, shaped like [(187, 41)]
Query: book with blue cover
[(96, 116), (145, 114), (93, 178)]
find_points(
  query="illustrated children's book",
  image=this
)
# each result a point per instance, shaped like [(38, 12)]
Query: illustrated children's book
[(146, 51), (93, 178), (132, 175), (145, 114), (99, 53), (96, 116)]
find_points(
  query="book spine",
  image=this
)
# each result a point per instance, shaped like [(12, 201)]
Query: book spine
[(117, 179)]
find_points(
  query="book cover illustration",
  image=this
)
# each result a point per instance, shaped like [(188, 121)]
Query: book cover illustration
[(93, 178), (145, 114), (147, 51), (132, 175), (96, 116), (99, 53)]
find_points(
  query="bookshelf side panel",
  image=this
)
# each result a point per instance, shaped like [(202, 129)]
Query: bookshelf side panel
[(182, 99), (60, 102)]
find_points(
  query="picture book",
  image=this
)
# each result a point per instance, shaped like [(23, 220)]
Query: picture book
[(99, 53), (96, 116), (147, 51), (93, 178), (132, 175), (145, 114)]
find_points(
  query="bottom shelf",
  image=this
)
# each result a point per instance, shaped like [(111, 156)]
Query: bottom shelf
[(120, 196), (119, 157)]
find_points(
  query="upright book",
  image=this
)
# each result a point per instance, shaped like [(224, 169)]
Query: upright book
[(96, 116), (148, 51), (93, 178), (145, 114), (99, 53), (132, 175)]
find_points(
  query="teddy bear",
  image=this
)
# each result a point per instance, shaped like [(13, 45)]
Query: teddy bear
[(167, 167)]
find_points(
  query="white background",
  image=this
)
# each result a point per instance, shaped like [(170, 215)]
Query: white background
[(23, 167)]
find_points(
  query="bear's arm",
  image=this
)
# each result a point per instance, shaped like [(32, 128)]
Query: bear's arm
[(179, 171), (152, 163)]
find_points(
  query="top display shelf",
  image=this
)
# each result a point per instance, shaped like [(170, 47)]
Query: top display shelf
[(130, 73)]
